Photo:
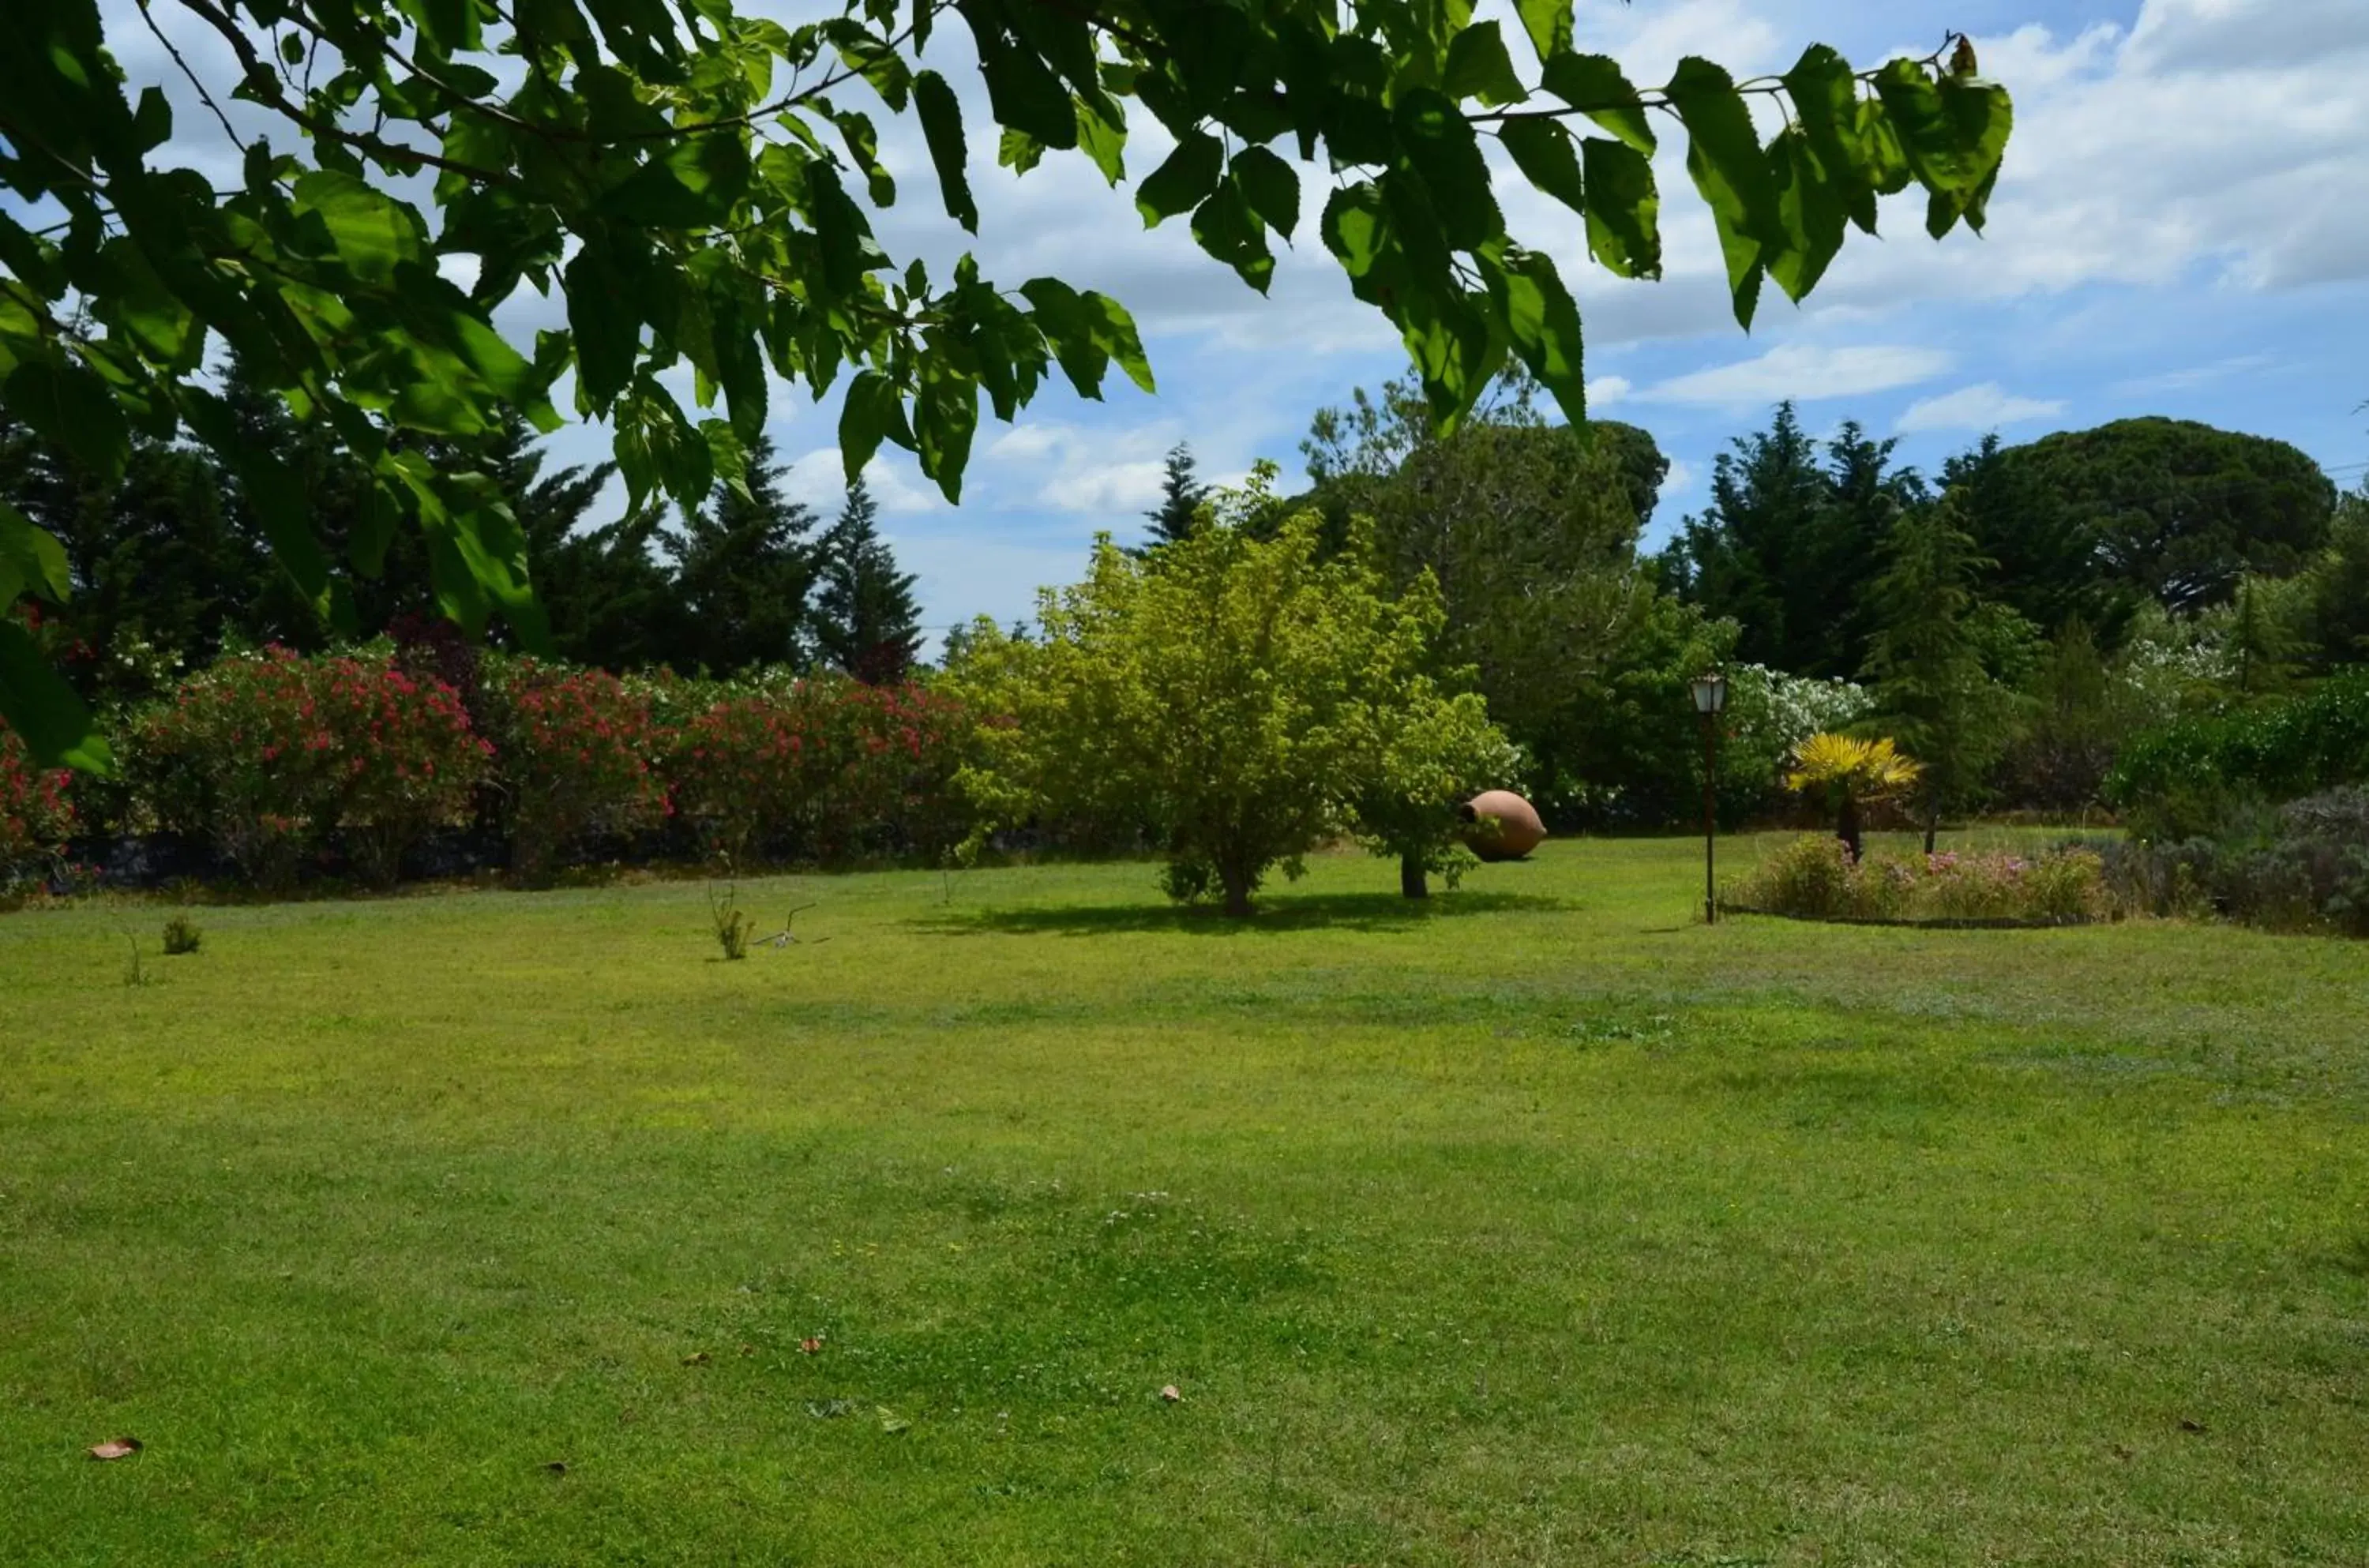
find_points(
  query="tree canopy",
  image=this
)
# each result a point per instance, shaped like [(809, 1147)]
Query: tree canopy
[(1244, 698), (2172, 509), (699, 187)]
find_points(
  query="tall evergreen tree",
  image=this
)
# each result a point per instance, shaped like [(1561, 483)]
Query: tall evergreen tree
[(1181, 497), (1790, 542), (1934, 695), (745, 567), (865, 617)]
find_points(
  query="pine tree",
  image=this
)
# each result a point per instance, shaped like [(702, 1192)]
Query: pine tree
[(744, 568), (1181, 497), (865, 617), (1933, 693)]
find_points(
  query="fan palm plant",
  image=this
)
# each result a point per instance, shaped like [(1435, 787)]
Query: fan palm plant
[(1850, 773)]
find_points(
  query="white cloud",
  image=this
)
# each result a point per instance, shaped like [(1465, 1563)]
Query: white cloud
[(1604, 391), (1801, 373), (1979, 407), (1105, 486), (819, 480), (2188, 377)]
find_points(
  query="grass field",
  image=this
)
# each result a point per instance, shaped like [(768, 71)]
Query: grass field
[(1541, 1224)]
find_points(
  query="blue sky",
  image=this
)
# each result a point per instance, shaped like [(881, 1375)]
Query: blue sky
[(2182, 228)]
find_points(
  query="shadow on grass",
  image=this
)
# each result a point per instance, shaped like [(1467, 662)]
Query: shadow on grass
[(1279, 912)]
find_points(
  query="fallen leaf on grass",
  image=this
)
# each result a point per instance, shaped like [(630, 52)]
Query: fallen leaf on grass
[(2189, 1424), (890, 1421), (115, 1448), (696, 1358), (1172, 1393), (556, 1466), (811, 1344)]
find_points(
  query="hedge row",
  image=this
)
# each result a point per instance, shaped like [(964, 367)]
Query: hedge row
[(2183, 780), (275, 761)]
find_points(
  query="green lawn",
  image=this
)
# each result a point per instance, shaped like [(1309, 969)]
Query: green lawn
[(1541, 1224)]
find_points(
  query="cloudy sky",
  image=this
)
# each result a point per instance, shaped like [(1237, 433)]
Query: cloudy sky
[(2182, 228)]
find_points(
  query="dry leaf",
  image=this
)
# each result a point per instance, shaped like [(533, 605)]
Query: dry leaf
[(115, 1448), (696, 1358), (556, 1466), (889, 1420), (811, 1344), (1172, 1393), (2188, 1424)]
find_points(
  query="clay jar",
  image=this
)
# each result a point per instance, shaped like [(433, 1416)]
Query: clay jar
[(1517, 827)]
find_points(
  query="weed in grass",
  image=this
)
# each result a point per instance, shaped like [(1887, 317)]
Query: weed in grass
[(732, 925), (182, 936)]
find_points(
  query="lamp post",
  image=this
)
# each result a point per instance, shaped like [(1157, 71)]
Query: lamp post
[(1710, 700)]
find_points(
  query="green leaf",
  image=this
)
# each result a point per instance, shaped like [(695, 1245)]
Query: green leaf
[(31, 557), (1183, 180), (1224, 226), (864, 146), (871, 411), (1478, 66), (1545, 154), (1730, 170), (605, 320), (944, 416), (1021, 92), (71, 407), (1103, 142), (371, 233), (1953, 134), (1825, 108), (1439, 144), (1548, 24), (43, 710), (1114, 332), (1271, 185), (1543, 324), (1623, 209), (1597, 86), (1812, 209)]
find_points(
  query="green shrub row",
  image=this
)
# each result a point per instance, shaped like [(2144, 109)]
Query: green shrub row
[(2187, 778)]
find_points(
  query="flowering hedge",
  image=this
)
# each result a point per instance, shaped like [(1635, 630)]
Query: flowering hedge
[(37, 814), (265, 755), (1814, 878), (824, 768), (576, 752)]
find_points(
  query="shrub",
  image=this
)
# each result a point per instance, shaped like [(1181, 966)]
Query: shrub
[(405, 758), (263, 755), (2304, 865), (574, 753), (239, 755), (1813, 878), (37, 814), (824, 768), (2185, 779), (182, 936)]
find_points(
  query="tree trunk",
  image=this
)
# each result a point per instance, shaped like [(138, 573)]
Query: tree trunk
[(1237, 883), (1414, 880), (1933, 826), (1847, 827)]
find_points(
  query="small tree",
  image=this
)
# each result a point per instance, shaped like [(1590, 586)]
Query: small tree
[(1182, 496), (1244, 698), (1437, 751), (865, 618), (1932, 689), (1850, 773)]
